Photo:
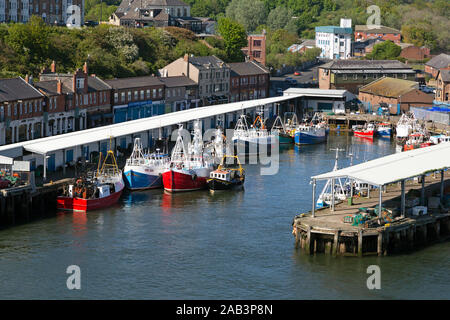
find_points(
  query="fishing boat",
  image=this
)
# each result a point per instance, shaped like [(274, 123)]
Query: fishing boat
[(384, 130), (417, 140), (254, 140), (95, 191), (440, 138), (364, 132), (405, 126), (228, 175), (290, 121), (339, 189), (188, 169), (143, 170), (279, 130), (311, 132)]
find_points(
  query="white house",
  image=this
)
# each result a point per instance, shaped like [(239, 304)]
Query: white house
[(335, 42)]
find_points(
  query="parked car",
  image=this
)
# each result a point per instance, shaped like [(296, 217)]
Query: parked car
[(288, 79), (279, 91), (297, 73)]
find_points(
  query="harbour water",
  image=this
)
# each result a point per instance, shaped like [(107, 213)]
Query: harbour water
[(230, 245)]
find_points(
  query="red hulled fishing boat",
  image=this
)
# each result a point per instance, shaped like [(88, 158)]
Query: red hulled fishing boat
[(364, 132), (100, 190)]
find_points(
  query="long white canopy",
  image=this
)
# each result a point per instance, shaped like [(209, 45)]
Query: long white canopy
[(70, 140), (396, 167), (6, 160)]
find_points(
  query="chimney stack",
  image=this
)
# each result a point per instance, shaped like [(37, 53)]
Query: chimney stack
[(186, 58), (53, 67), (59, 87), (85, 68)]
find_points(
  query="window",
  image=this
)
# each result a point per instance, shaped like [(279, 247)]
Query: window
[(148, 93), (154, 93), (168, 93), (355, 77), (80, 83), (122, 97), (405, 76), (160, 92), (136, 95), (257, 43), (116, 97), (142, 95), (129, 95), (257, 54)]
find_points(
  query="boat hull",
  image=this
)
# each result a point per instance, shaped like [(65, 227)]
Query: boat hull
[(216, 184), (285, 139), (261, 146), (139, 178), (79, 204), (384, 133), (182, 180), (364, 134), (307, 138)]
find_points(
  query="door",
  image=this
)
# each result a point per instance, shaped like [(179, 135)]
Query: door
[(51, 163), (69, 156)]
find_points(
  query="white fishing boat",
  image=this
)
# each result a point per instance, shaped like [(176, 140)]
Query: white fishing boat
[(311, 132), (254, 140), (440, 138), (143, 170), (405, 126)]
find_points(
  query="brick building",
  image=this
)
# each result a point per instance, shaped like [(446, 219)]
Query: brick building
[(438, 62), (393, 92), (87, 98), (21, 111), (352, 74), (51, 11), (136, 98), (443, 85), (363, 32), (181, 93), (248, 81), (256, 48), (415, 53), (211, 74)]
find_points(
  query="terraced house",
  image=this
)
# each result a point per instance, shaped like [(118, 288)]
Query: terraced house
[(248, 81), (211, 74), (352, 74), (136, 98), (21, 111), (86, 100)]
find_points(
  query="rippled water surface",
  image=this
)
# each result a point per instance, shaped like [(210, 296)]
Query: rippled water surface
[(232, 245)]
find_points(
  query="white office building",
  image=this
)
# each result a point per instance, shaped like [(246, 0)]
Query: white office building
[(335, 42)]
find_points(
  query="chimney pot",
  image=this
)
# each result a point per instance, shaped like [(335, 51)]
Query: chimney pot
[(59, 87), (85, 68), (53, 67), (27, 79)]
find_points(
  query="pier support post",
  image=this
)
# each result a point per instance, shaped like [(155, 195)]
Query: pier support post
[(332, 194), (313, 212), (437, 229), (360, 243), (64, 162), (368, 191), (380, 243), (380, 202), (335, 247), (403, 200), (308, 241), (442, 186), (422, 192), (45, 167)]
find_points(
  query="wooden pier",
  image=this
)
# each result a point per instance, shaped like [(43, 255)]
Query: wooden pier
[(327, 233), (25, 203)]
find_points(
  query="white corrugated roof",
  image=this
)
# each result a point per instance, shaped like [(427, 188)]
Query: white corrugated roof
[(396, 167), (70, 140), (313, 92), (6, 160)]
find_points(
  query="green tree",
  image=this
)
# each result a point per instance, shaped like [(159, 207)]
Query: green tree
[(249, 13), (234, 38), (386, 50), (279, 17)]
